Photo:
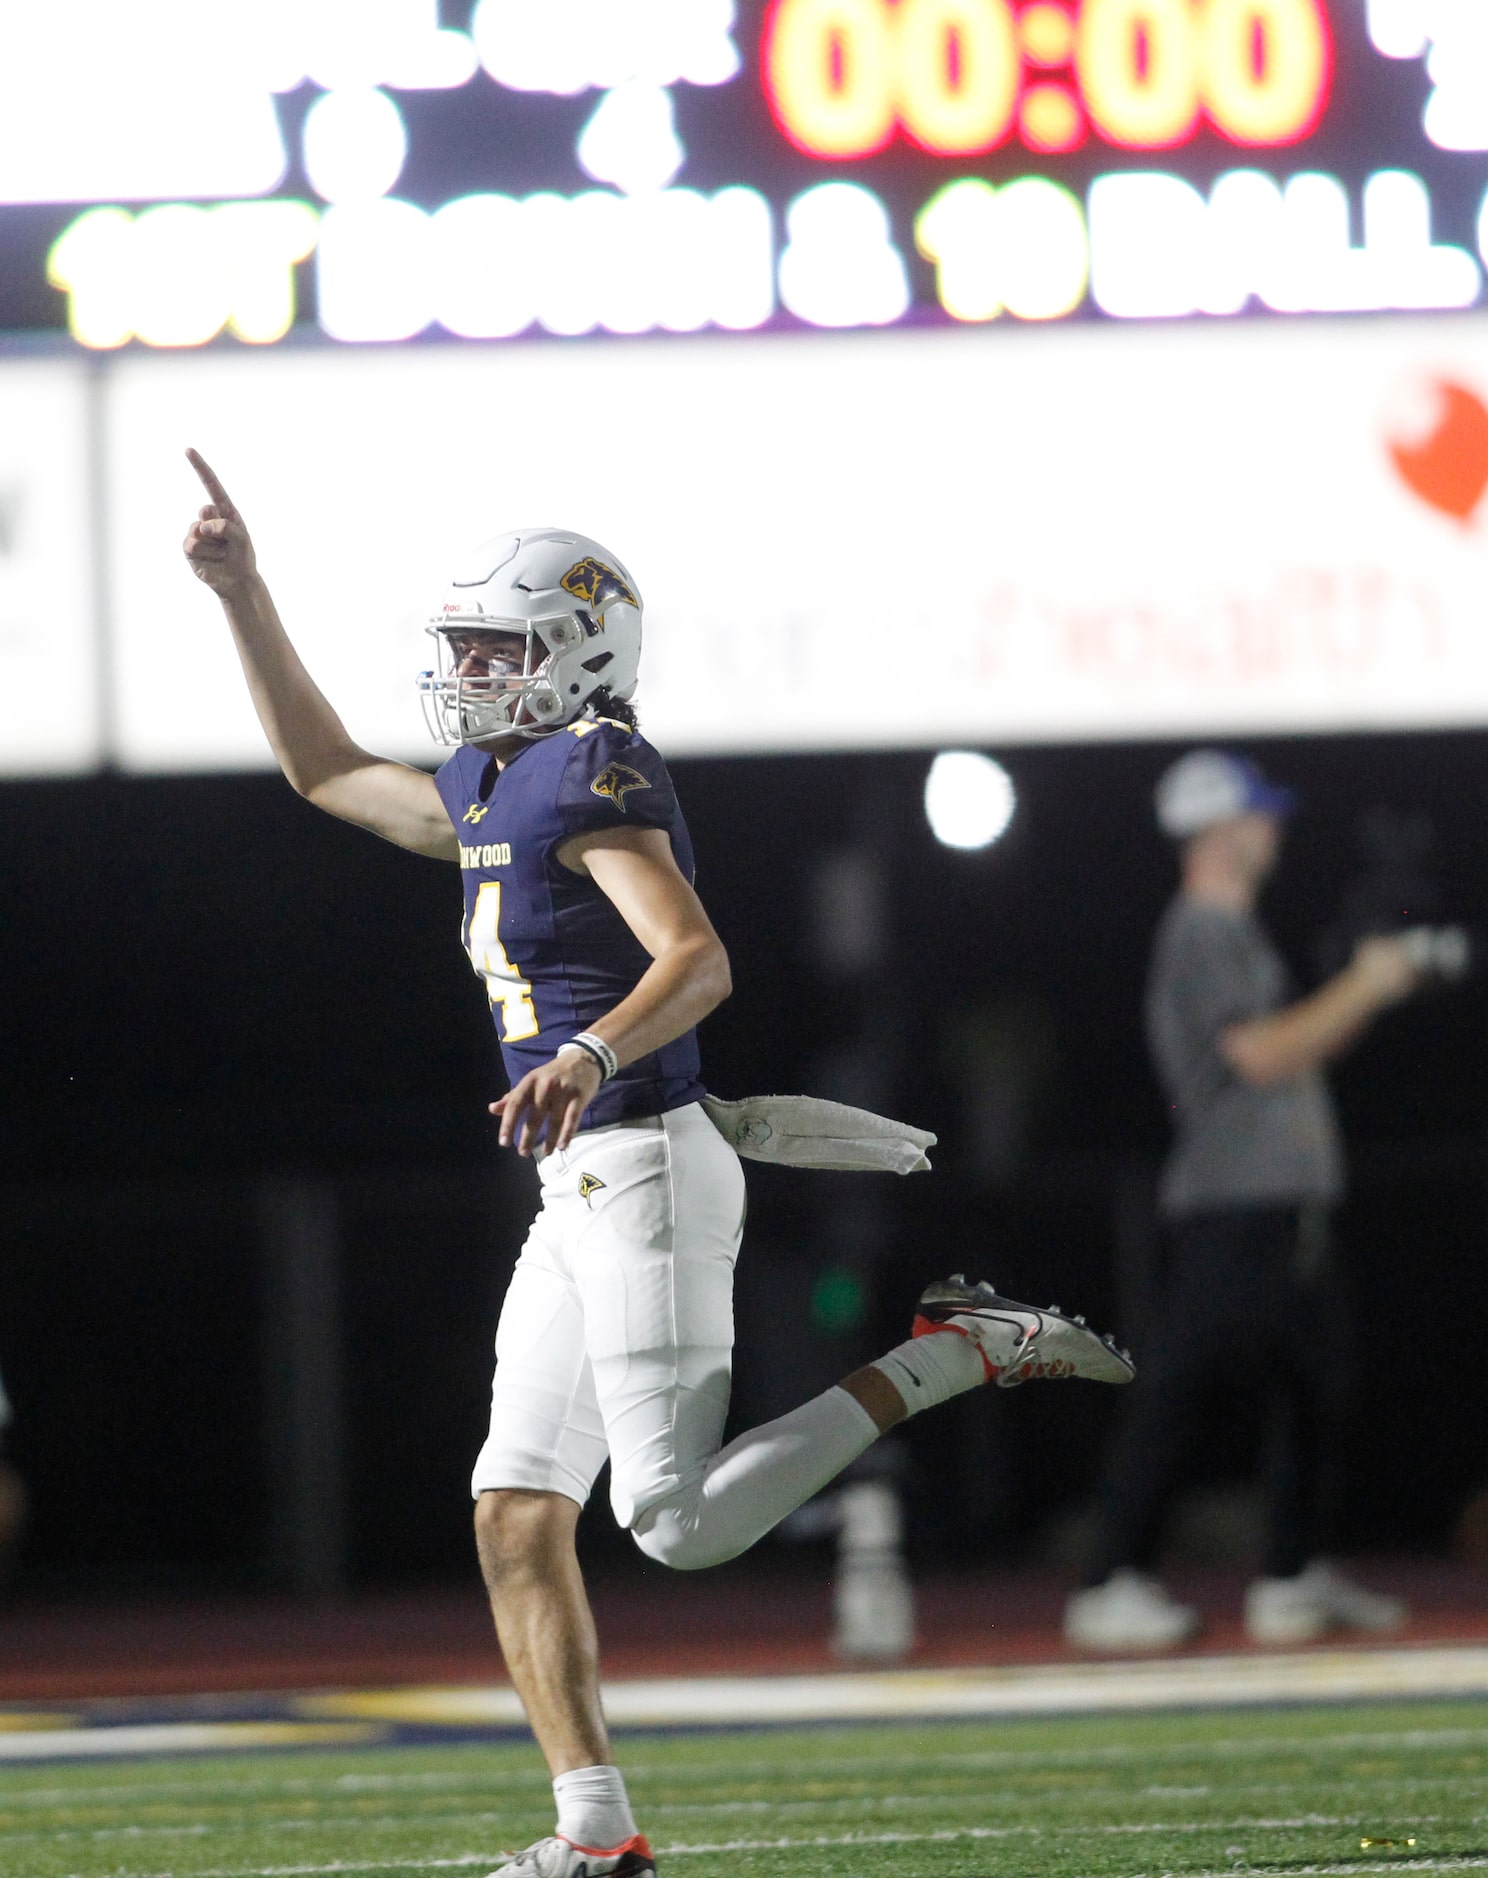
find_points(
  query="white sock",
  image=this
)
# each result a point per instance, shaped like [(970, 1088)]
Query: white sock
[(931, 1369), (594, 1808)]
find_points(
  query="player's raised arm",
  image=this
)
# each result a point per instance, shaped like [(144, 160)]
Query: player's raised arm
[(311, 743)]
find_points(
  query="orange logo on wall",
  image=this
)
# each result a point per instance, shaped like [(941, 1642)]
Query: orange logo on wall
[(1447, 465)]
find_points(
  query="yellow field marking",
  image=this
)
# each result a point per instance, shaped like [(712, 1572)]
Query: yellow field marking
[(1044, 1689)]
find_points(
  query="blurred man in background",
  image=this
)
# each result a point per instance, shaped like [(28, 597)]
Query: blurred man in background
[(1247, 1191)]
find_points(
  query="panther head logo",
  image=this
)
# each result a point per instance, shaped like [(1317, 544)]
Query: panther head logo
[(617, 781), (596, 585)]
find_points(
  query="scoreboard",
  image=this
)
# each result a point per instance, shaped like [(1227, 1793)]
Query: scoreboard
[(1121, 354), (173, 172)]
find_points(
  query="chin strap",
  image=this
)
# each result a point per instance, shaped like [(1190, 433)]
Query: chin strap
[(807, 1131)]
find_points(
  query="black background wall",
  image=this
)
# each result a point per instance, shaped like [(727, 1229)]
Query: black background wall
[(207, 988)]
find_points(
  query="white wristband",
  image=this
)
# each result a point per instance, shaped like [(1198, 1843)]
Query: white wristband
[(597, 1048)]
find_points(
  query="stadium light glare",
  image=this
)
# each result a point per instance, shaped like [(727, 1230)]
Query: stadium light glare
[(969, 799)]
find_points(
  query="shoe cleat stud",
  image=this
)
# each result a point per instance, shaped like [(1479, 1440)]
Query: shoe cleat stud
[(1079, 1320)]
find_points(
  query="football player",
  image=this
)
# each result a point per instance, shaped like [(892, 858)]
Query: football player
[(616, 1333)]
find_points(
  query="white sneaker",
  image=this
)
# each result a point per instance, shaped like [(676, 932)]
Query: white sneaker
[(1316, 1601), (561, 1858), (1130, 1611), (1017, 1342)]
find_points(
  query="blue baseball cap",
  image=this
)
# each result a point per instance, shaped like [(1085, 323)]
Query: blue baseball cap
[(1209, 786)]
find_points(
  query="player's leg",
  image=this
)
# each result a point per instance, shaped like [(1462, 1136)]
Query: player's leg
[(543, 1621), (545, 1446), (728, 1500), (655, 1271)]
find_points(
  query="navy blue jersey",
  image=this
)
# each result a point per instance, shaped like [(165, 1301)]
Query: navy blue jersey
[(554, 953)]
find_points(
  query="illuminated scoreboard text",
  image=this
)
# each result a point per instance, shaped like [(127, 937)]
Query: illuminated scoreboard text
[(488, 170), (960, 77)]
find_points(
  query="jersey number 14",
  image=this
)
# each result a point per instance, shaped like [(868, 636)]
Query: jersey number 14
[(504, 985)]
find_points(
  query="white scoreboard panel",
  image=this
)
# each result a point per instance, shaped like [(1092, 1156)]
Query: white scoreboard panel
[(51, 663), (886, 539)]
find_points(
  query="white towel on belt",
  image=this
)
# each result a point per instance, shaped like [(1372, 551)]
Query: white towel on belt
[(806, 1131)]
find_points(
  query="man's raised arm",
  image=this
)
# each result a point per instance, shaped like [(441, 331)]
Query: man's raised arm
[(308, 738)]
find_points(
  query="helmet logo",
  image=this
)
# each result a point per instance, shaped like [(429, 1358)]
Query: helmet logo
[(474, 813), (596, 585), (617, 780)]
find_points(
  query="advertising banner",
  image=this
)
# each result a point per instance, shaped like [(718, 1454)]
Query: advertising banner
[(890, 539)]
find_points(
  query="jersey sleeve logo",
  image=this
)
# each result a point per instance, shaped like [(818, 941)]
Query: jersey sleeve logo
[(617, 781), (589, 1185), (474, 813), (596, 585)]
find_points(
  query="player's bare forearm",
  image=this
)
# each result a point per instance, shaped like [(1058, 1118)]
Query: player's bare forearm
[(676, 991), (312, 746), (687, 978), (307, 737), (689, 971)]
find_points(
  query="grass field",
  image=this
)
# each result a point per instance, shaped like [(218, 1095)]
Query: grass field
[(1275, 1791)]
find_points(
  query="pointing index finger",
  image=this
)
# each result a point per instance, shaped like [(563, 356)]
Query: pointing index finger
[(211, 482)]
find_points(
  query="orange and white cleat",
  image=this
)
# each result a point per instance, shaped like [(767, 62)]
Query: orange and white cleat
[(1018, 1343), (561, 1858)]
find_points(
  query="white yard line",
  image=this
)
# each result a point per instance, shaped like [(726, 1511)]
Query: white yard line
[(1354, 1822), (818, 1842)]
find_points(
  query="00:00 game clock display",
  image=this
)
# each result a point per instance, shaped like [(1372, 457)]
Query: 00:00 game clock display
[(959, 77)]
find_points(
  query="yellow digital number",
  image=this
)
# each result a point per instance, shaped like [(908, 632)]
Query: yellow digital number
[(1138, 68), (504, 985), (844, 77), (1267, 68), (829, 71)]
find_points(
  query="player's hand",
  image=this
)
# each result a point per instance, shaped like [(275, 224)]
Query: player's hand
[(1387, 969), (548, 1104), (217, 545)]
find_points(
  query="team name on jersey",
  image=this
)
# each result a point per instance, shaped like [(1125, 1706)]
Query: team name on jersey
[(493, 854)]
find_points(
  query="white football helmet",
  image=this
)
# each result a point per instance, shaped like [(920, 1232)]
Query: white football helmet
[(579, 613)]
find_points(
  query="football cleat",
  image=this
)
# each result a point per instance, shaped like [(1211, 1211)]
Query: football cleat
[(1018, 1343), (561, 1858)]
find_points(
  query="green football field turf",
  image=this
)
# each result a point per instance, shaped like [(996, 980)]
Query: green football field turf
[(1275, 1791)]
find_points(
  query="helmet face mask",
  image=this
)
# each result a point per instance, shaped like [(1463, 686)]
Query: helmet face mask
[(507, 695), (572, 622)]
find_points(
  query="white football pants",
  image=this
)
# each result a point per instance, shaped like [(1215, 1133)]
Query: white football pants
[(616, 1340)]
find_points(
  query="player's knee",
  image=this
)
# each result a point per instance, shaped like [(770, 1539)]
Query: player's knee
[(515, 1530), (676, 1542)]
